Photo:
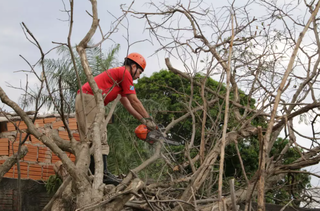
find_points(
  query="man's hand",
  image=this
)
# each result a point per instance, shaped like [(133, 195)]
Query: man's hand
[(151, 125)]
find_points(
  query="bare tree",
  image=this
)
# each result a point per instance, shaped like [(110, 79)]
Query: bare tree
[(265, 57), (273, 58), (90, 193)]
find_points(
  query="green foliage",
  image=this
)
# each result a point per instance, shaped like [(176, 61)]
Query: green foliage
[(174, 93), (53, 183), (249, 150), (127, 151), (290, 187), (63, 69), (293, 184)]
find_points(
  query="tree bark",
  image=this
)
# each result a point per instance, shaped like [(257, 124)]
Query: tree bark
[(10, 161)]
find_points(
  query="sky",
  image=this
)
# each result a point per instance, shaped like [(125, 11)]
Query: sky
[(47, 21)]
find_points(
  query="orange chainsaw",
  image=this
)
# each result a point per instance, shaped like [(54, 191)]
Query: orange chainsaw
[(143, 133)]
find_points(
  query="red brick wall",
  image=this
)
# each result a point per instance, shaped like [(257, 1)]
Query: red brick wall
[(39, 161)]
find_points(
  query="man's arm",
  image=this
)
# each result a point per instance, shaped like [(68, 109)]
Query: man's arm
[(132, 110), (137, 105)]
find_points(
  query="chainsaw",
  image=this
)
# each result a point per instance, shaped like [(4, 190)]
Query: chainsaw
[(143, 133)]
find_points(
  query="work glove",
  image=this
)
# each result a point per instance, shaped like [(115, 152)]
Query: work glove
[(151, 125)]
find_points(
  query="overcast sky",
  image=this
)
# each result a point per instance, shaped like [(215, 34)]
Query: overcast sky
[(46, 21)]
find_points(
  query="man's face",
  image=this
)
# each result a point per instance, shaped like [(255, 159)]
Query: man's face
[(136, 71)]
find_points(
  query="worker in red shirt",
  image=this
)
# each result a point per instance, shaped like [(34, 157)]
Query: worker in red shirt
[(113, 82)]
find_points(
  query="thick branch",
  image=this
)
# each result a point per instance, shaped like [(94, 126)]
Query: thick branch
[(7, 165), (47, 141)]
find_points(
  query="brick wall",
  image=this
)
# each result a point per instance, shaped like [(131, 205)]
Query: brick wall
[(33, 195), (7, 199), (39, 161)]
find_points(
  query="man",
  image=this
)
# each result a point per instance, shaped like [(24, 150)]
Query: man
[(112, 82)]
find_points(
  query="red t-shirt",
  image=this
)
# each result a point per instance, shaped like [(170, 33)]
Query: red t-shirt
[(112, 82)]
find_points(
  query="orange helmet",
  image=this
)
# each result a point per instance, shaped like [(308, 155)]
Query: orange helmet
[(141, 132), (139, 59)]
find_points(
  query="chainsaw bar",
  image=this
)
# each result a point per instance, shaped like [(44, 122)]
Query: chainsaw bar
[(156, 135)]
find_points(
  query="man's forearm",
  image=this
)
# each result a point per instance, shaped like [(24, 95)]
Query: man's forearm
[(137, 105), (134, 113), (125, 102)]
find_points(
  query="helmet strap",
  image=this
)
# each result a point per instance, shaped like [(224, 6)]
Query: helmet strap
[(134, 72), (131, 71)]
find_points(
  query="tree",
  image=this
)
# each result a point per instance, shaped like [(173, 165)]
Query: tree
[(173, 92), (60, 74), (245, 52), (261, 55)]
